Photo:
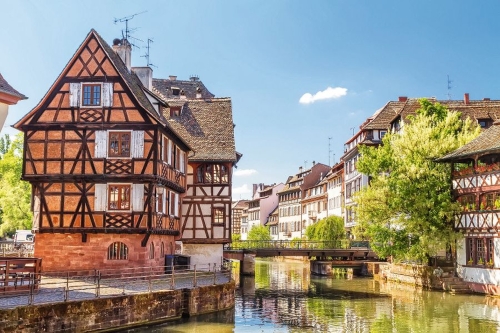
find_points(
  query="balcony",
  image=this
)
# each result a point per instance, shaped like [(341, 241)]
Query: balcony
[(174, 178), (480, 220), (312, 214)]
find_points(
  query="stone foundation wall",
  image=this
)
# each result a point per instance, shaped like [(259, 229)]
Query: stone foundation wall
[(63, 252), (412, 274), (117, 312)]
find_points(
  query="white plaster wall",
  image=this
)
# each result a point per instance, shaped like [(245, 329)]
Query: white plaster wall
[(478, 274), (4, 108), (203, 254)]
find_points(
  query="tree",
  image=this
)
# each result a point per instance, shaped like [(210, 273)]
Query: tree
[(259, 232), (327, 229), (407, 210), (15, 194)]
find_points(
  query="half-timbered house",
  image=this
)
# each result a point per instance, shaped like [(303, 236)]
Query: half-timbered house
[(206, 123), (476, 186), (107, 169)]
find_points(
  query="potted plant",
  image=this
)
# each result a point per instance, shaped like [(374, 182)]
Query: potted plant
[(470, 262), (490, 263), (481, 207), (480, 261), (497, 203)]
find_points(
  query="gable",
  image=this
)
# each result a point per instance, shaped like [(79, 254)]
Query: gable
[(121, 95)]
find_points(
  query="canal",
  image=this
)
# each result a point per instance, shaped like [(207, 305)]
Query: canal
[(284, 297)]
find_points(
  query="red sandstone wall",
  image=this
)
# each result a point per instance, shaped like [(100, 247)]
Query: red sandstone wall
[(63, 252)]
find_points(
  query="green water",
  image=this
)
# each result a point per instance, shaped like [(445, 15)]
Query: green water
[(284, 297)]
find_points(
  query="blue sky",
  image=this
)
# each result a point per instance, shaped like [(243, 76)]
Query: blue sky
[(298, 72)]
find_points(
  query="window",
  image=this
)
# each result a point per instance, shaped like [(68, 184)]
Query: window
[(382, 134), (119, 144), (91, 95), (151, 251), (117, 251), (484, 123), (175, 91), (119, 197), (480, 251), (175, 111), (162, 250), (212, 173), (218, 215)]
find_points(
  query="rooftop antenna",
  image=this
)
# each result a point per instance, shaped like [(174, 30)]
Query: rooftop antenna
[(126, 35), (148, 64), (352, 128), (305, 165), (449, 87), (329, 151)]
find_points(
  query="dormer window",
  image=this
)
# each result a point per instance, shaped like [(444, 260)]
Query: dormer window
[(175, 111), (484, 123), (176, 91), (91, 94)]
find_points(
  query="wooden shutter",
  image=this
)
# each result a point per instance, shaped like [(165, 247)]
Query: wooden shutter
[(107, 94), (137, 144), (100, 197), (74, 94), (176, 213), (169, 152), (138, 197), (36, 213), (101, 144), (182, 166)]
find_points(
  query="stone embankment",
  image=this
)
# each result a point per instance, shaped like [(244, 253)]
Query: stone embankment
[(418, 275)]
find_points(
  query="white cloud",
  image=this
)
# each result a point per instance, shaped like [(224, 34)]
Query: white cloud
[(244, 172), (243, 189), (328, 93)]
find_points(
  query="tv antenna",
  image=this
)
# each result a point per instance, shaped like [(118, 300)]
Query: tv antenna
[(126, 35), (329, 151), (147, 53), (449, 87), (305, 165)]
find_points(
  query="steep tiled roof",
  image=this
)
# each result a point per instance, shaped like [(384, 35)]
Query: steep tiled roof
[(189, 88), (207, 126), (240, 204), (6, 88), (474, 109), (487, 142), (382, 119)]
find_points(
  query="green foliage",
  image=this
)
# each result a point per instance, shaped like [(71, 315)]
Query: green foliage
[(259, 232), (15, 194), (407, 210), (327, 229)]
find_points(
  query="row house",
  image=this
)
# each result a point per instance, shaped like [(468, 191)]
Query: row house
[(263, 203), (476, 187), (112, 165), (292, 214), (335, 190), (315, 202), (392, 117), (237, 209), (8, 96), (272, 223)]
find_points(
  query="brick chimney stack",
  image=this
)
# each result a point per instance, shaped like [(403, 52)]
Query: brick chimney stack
[(402, 98), (466, 98), (124, 50)]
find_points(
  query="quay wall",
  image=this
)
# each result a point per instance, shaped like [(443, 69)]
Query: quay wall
[(422, 276), (118, 313)]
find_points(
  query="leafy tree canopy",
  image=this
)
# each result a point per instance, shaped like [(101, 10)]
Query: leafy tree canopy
[(327, 229), (407, 210), (15, 194), (259, 232)]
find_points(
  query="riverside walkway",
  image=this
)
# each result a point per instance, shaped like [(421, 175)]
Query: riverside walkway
[(69, 286)]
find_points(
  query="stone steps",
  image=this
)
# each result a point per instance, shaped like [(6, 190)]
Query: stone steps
[(455, 285)]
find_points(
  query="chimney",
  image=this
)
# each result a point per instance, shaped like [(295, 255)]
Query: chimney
[(123, 49), (402, 98), (183, 95), (145, 74), (254, 189), (300, 169), (194, 78), (198, 92), (172, 77), (314, 163), (466, 98), (486, 99)]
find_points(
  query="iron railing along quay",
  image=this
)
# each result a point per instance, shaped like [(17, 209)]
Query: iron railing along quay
[(297, 244), (53, 287)]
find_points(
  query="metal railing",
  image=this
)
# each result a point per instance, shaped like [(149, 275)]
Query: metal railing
[(11, 249), (53, 287), (297, 244)]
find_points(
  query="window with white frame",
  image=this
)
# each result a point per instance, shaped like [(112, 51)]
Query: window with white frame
[(91, 94)]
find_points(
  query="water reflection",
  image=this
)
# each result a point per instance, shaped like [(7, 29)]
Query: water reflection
[(283, 297)]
